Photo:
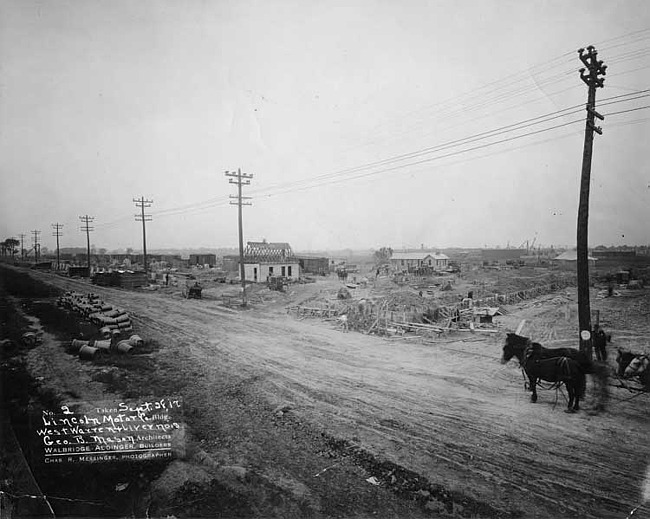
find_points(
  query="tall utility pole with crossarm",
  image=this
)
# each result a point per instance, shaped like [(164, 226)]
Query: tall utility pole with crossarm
[(87, 220), (142, 203), (57, 232), (22, 246), (36, 245), (241, 179), (590, 75)]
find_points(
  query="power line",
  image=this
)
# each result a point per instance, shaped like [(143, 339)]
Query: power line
[(632, 37), (499, 89), (628, 123), (630, 110), (486, 95), (509, 95), (512, 86), (431, 159), (321, 179), (455, 143), (645, 92), (470, 106), (461, 161)]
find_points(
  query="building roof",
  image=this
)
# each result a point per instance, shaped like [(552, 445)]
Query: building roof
[(263, 252), (571, 255), (410, 255), (418, 256), (310, 257)]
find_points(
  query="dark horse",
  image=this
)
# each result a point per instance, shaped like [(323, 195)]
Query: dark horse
[(538, 363)]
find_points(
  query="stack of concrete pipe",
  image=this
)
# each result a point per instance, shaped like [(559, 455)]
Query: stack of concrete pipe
[(113, 319), (90, 350), (85, 304), (98, 312)]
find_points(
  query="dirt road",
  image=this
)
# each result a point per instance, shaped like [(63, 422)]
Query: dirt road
[(319, 411)]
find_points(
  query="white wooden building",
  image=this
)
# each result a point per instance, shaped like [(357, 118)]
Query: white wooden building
[(568, 260), (263, 260), (409, 261)]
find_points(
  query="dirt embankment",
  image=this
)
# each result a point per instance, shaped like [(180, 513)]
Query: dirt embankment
[(289, 418)]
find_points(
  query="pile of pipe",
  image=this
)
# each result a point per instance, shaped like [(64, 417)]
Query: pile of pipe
[(89, 350), (116, 320)]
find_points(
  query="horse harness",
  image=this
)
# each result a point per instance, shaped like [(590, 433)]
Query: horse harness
[(562, 362)]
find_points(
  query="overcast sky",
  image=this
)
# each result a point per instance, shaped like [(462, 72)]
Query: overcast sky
[(360, 121)]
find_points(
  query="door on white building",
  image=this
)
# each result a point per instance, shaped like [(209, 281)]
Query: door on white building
[(284, 271), (255, 274), (289, 270)]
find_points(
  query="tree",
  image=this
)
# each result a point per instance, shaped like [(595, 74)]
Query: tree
[(383, 255), (129, 250), (9, 245)]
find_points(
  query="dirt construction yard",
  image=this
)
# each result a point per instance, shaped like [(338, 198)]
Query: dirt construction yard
[(295, 418)]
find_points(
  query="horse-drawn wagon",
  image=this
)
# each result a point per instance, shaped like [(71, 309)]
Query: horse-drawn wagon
[(192, 290)]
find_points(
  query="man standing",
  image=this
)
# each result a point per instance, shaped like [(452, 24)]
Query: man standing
[(600, 343)]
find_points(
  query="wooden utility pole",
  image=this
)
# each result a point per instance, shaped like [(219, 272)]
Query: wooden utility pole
[(87, 220), (36, 249), (57, 232), (22, 247), (142, 203), (241, 179), (590, 75)]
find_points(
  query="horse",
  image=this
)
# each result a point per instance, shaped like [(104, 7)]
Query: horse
[(633, 365), (558, 369), (516, 345)]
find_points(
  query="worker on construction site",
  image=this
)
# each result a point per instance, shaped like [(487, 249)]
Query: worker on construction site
[(600, 343), (344, 322)]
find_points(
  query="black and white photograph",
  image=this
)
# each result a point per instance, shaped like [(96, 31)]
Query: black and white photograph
[(305, 259)]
